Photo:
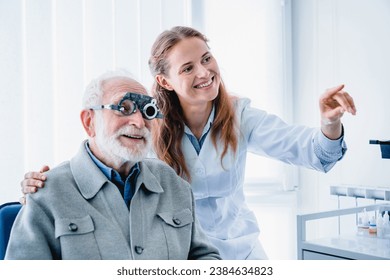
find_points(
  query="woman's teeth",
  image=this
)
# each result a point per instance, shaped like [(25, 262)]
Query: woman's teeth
[(205, 84)]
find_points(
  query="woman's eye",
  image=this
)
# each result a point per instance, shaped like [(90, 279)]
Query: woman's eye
[(206, 59), (187, 69)]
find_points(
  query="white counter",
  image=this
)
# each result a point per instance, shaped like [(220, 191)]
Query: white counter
[(363, 247)]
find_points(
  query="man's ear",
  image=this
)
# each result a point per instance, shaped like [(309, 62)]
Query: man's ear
[(162, 81), (87, 119)]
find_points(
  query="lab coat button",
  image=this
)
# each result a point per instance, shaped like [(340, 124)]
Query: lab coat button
[(139, 250), (199, 172), (72, 227), (176, 221)]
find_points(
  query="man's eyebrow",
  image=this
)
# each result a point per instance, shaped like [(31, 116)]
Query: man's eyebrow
[(118, 98)]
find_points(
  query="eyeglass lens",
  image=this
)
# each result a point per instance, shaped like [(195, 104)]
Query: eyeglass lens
[(127, 107)]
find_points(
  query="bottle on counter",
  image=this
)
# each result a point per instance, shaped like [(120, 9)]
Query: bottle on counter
[(363, 223), (372, 229), (386, 225), (379, 225)]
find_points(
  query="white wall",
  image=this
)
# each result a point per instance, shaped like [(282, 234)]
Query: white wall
[(343, 41), (49, 51), (250, 39)]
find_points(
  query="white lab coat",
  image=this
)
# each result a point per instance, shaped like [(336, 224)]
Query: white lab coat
[(218, 189)]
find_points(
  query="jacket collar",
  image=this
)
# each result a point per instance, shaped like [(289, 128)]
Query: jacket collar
[(147, 179), (90, 179)]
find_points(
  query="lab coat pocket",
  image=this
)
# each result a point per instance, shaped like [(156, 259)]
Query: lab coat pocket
[(177, 227), (77, 238)]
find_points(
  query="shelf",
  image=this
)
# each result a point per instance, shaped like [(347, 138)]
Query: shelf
[(368, 192)]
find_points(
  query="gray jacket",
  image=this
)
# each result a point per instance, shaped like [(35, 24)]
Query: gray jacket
[(80, 214)]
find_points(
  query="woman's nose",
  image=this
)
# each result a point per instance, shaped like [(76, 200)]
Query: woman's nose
[(202, 71)]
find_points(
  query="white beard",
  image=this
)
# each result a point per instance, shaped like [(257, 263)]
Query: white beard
[(112, 148)]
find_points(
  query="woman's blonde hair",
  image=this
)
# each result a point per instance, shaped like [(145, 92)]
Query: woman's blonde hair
[(168, 132)]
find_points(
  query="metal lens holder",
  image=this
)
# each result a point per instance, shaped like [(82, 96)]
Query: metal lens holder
[(146, 104)]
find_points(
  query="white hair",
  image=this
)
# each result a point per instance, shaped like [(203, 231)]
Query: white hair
[(112, 148), (93, 92)]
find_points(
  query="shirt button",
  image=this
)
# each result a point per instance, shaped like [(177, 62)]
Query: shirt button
[(72, 227), (176, 221), (199, 172), (139, 250)]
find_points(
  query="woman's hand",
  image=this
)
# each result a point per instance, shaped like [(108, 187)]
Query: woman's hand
[(333, 104), (32, 181)]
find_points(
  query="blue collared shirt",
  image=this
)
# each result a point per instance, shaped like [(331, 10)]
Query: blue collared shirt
[(127, 186), (194, 141)]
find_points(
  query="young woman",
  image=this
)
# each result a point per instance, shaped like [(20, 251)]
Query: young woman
[(206, 134)]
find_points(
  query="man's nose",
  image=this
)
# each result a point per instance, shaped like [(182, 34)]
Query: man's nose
[(137, 120)]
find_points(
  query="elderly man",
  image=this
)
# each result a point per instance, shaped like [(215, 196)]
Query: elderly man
[(109, 202)]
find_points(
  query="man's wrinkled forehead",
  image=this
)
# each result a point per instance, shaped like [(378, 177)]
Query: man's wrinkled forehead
[(121, 85)]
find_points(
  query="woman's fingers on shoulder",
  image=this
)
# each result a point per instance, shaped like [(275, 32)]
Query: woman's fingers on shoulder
[(31, 183), (35, 175), (44, 168), (29, 189)]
